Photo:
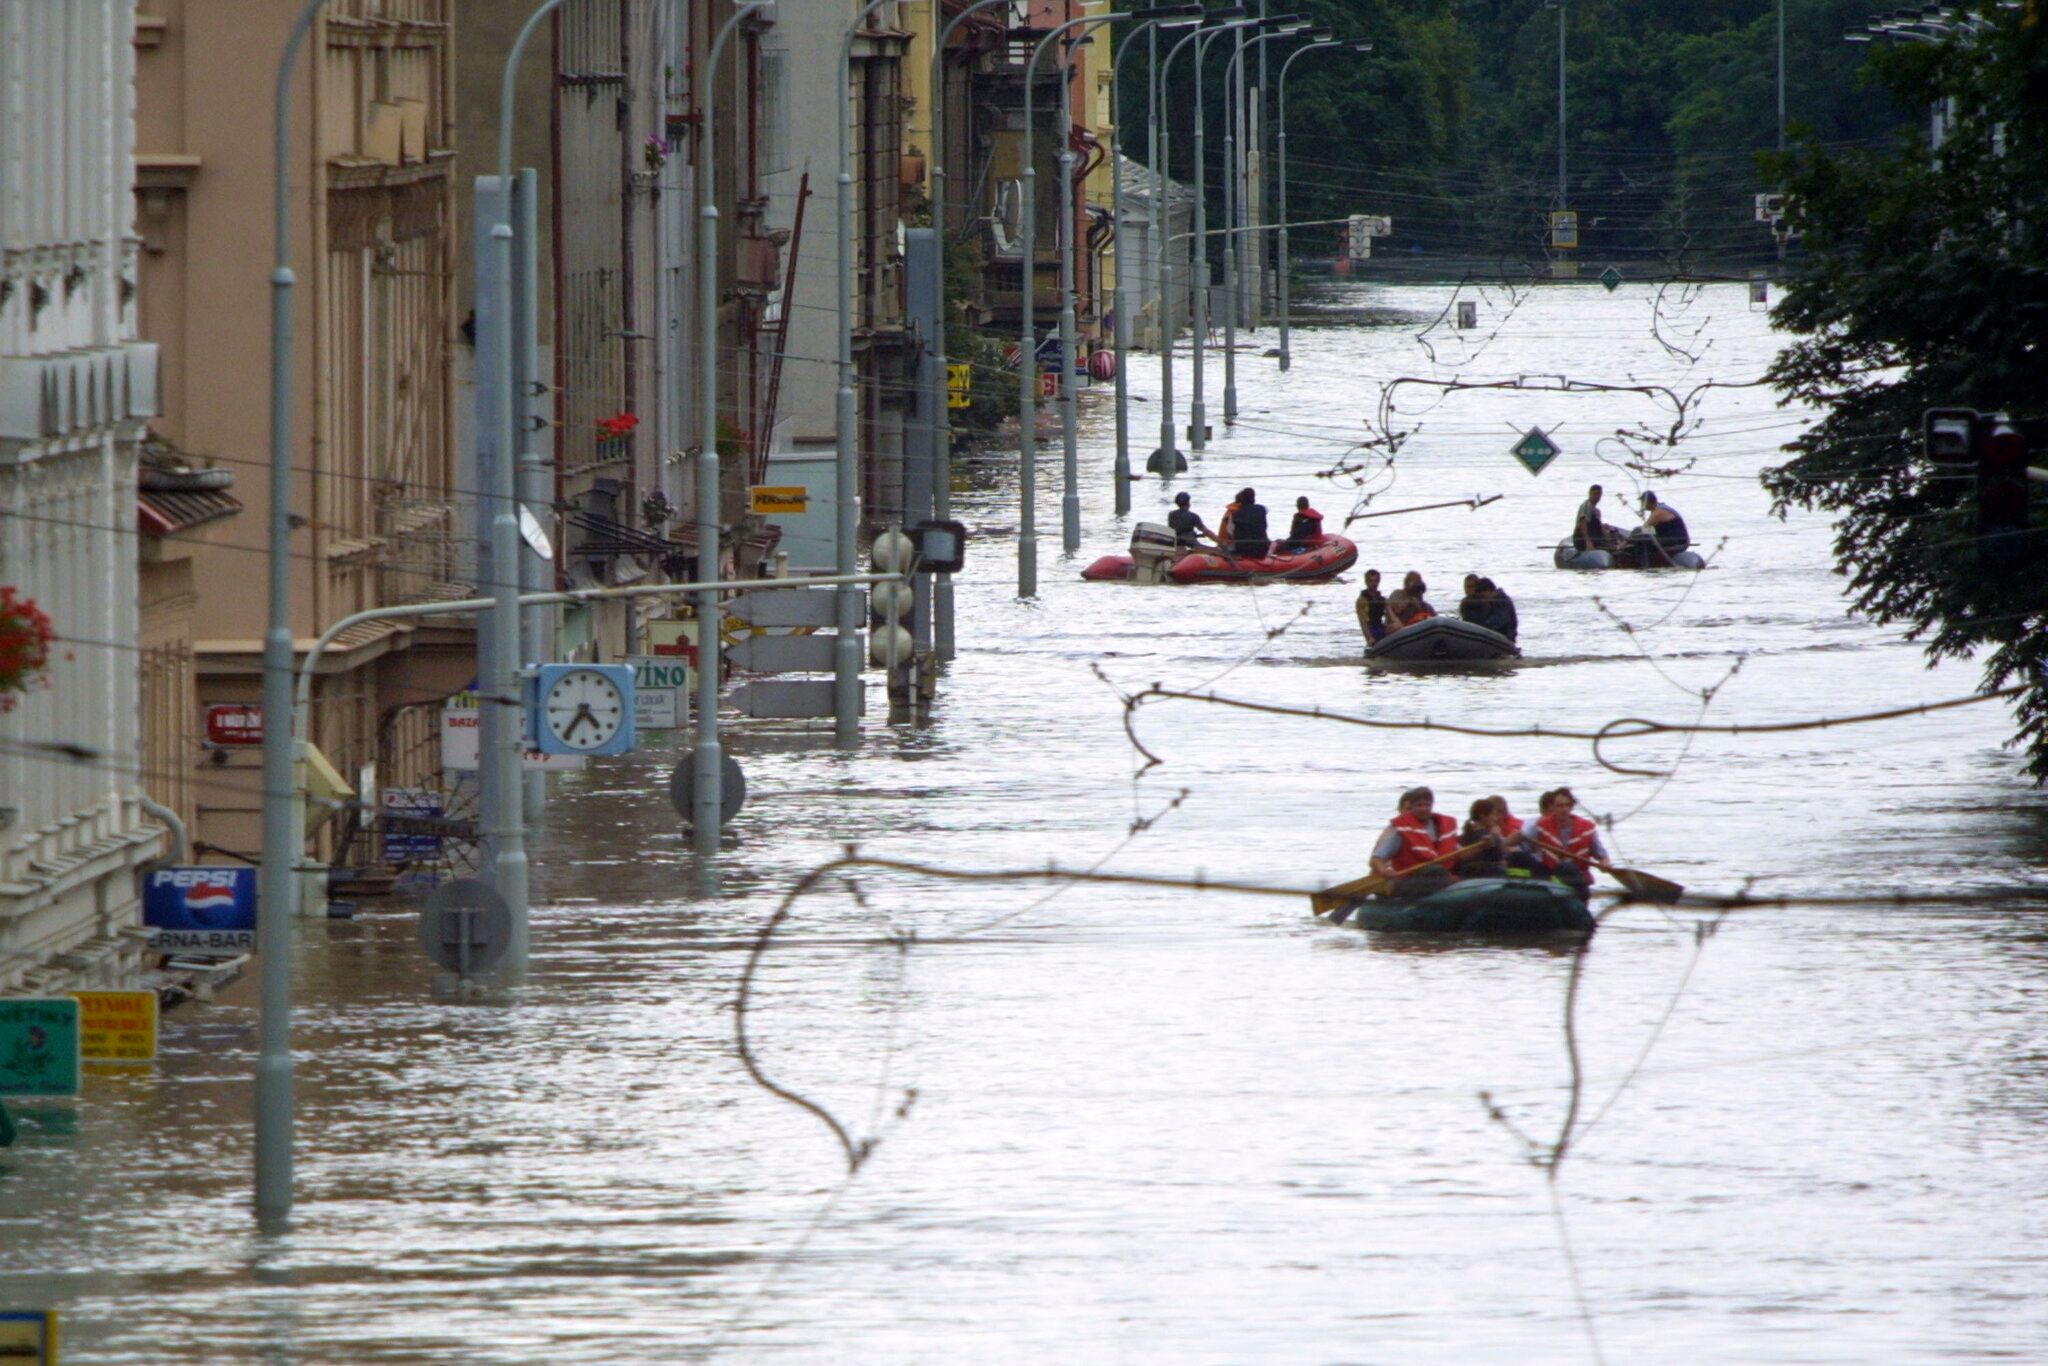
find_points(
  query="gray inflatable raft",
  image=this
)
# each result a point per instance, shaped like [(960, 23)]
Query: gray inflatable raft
[(1442, 640), (1569, 556)]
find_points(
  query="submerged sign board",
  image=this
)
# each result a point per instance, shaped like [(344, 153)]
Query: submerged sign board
[(39, 1046), (661, 687), (462, 726), (209, 910), (116, 1026), (28, 1337)]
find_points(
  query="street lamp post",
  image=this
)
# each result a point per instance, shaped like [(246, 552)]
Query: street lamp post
[(942, 435), (277, 884), (1559, 6), (1161, 166), (1027, 360), (846, 648), (1236, 190), (1122, 298), (1070, 437), (1286, 287), (1198, 429), (707, 797)]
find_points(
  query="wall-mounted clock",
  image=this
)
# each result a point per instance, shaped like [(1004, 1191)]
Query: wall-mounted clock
[(583, 708)]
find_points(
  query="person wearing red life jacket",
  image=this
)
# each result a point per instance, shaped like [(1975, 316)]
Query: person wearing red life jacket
[(1569, 842), (1417, 836)]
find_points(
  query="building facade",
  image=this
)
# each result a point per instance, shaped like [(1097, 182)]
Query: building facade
[(376, 504), (76, 387)]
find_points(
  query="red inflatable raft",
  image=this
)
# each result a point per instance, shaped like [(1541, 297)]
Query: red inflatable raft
[(1324, 558)]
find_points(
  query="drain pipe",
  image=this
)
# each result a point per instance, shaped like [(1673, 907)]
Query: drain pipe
[(171, 821)]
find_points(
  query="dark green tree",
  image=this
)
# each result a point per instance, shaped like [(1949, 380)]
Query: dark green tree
[(1924, 284)]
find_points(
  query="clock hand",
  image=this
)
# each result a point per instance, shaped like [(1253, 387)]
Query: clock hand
[(582, 715)]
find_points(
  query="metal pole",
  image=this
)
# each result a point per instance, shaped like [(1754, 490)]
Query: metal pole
[(1027, 362), (1198, 433), (1233, 110), (508, 830), (1070, 465), (1198, 418), (1561, 194), (1286, 286), (1162, 227), (1280, 136), (499, 765), (277, 886), (1781, 77), (707, 804), (1256, 203), (846, 650), (942, 437), (1120, 298), (536, 482), (1121, 474)]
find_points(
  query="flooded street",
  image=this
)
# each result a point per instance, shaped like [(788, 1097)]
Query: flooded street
[(1160, 1125)]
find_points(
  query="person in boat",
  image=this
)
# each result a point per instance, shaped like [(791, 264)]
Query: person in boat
[(1485, 827), (1588, 531), (1495, 610), (1304, 531), (1188, 529), (1406, 605), (1470, 607), (1485, 605), (1246, 527), (1417, 836), (1569, 843), (1524, 858), (1372, 609), (1661, 536)]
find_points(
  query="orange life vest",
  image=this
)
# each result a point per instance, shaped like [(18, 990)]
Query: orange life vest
[(1578, 843), (1421, 843), (1511, 826)]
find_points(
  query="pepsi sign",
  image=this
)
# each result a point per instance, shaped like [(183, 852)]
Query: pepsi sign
[(201, 910)]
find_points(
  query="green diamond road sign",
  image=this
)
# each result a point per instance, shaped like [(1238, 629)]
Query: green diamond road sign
[(1535, 450), (1611, 278)]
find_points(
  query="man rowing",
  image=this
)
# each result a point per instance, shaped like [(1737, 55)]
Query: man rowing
[(1656, 543), (1412, 846), (1569, 843)]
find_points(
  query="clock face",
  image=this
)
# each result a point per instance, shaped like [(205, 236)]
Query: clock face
[(584, 709)]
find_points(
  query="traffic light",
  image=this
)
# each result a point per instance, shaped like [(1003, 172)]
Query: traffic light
[(889, 641), (2001, 492), (1994, 447), (1948, 435)]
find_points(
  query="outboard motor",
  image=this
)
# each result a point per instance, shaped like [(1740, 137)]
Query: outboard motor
[(1153, 552)]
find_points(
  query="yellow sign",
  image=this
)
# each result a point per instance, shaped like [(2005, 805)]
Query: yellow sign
[(959, 385), (1564, 228), (773, 498), (28, 1336), (116, 1026)]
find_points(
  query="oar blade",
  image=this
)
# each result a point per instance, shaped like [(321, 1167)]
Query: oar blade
[(1344, 893), (1649, 886)]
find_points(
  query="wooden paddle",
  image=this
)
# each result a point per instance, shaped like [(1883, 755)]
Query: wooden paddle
[(1638, 883), (1359, 888)]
